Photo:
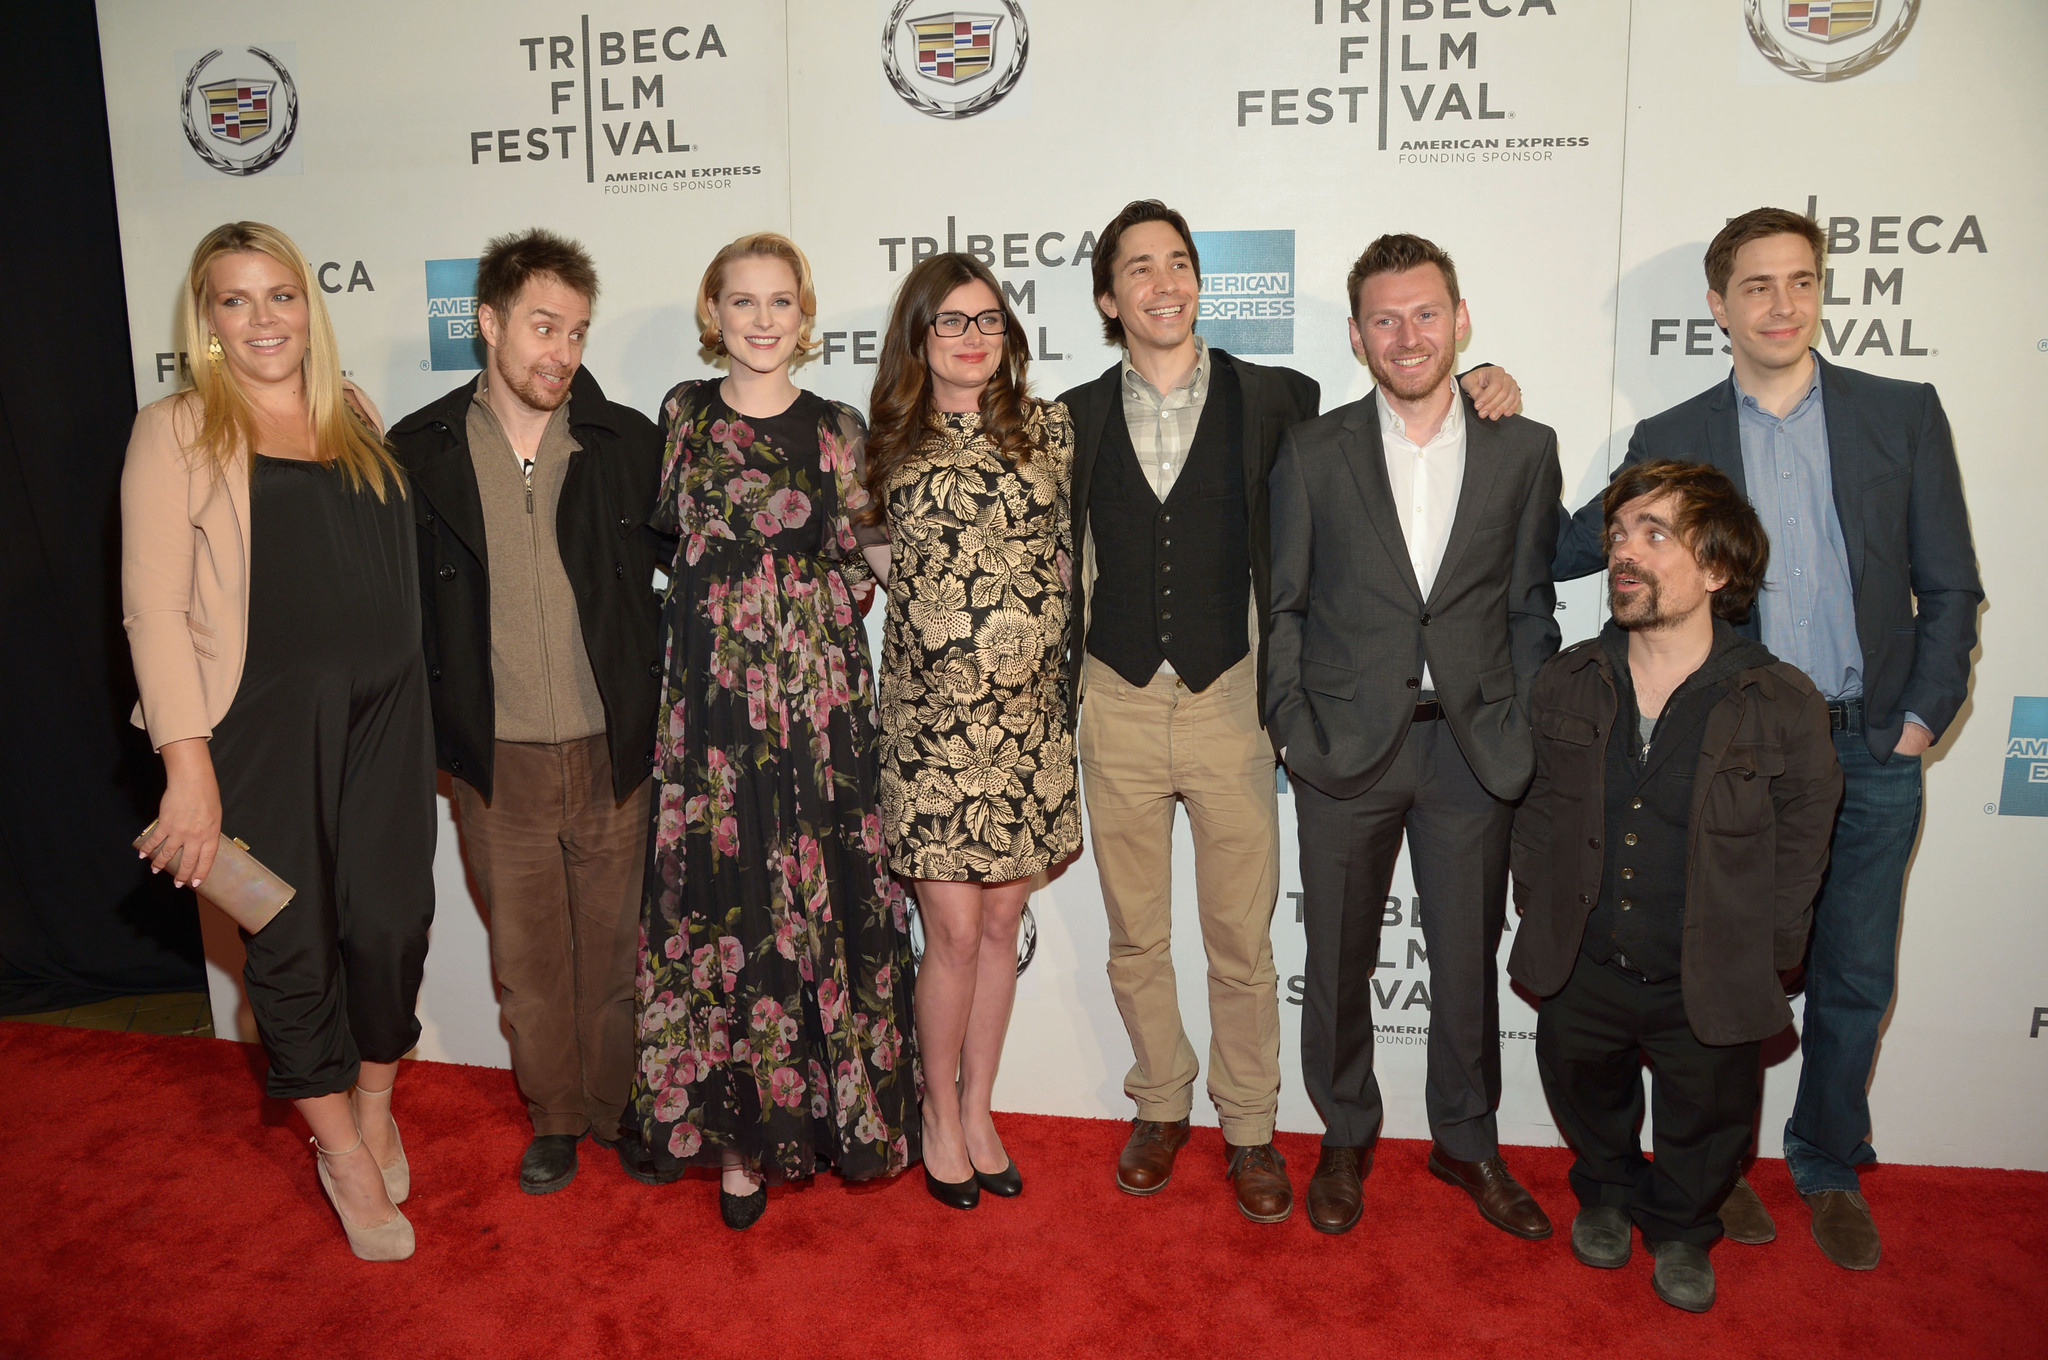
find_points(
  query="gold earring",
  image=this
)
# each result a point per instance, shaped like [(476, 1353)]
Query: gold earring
[(213, 350)]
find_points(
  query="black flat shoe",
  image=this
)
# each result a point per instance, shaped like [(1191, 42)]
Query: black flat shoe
[(1008, 1182), (955, 1194), (741, 1212)]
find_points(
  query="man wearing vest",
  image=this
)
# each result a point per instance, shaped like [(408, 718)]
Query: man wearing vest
[(1172, 448), (1873, 592), (1412, 608), (536, 568)]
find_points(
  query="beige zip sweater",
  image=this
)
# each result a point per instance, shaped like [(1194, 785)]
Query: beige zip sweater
[(541, 678)]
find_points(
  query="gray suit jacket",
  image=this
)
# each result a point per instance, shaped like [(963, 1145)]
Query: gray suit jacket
[(1899, 494), (1351, 628)]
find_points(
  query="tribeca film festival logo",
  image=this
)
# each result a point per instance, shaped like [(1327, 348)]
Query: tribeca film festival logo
[(2025, 793), (1793, 35), (588, 79), (1429, 61), (453, 340), (954, 63), (1876, 303), (1247, 304), (240, 112)]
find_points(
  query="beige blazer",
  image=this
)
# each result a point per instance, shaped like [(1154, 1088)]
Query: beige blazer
[(185, 572)]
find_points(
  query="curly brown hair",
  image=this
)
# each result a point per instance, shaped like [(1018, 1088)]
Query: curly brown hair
[(1713, 520), (900, 408)]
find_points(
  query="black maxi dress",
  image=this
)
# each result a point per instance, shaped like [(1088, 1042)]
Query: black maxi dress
[(326, 767)]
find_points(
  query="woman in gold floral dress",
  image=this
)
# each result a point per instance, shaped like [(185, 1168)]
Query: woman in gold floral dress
[(977, 762)]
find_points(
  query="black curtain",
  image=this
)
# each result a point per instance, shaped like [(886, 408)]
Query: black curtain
[(80, 918)]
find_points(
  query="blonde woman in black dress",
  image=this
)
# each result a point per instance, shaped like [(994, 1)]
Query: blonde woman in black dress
[(977, 761)]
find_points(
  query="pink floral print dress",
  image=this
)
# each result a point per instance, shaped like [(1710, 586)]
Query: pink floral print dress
[(775, 966)]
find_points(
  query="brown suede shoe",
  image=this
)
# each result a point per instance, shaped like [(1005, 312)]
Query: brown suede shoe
[(1263, 1192), (1744, 1218), (1147, 1161), (1501, 1199), (1336, 1193), (1843, 1227)]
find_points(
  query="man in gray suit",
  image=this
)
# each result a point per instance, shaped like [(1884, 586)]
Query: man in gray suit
[(1412, 606)]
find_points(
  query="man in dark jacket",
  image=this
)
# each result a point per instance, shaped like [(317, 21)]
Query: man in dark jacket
[(1665, 862), (536, 575), (1874, 595)]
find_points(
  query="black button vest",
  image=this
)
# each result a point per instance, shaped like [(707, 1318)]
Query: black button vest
[(1173, 579)]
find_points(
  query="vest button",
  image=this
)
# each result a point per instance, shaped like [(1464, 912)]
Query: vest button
[(1166, 590), (1166, 519), (1628, 873), (1166, 618), (1166, 566), (1626, 904), (1166, 637), (447, 571), (1629, 839)]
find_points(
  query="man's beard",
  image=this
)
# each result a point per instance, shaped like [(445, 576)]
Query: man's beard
[(1642, 609), (534, 395), (1410, 384)]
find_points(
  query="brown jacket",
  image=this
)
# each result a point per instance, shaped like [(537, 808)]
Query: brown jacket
[(1763, 812), (185, 571)]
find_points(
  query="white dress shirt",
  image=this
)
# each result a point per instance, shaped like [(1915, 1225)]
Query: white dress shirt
[(1426, 479)]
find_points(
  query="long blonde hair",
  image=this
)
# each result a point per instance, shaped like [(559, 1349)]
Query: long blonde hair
[(226, 420)]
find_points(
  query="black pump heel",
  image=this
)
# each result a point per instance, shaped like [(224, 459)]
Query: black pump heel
[(954, 1194), (1009, 1182)]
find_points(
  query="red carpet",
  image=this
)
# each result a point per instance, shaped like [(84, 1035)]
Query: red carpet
[(152, 1205)]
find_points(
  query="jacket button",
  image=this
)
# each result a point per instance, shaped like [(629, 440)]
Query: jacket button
[(1593, 841), (655, 670), (1414, 683), (1584, 899), (434, 674), (1425, 620), (1626, 904), (447, 571), (430, 517), (1629, 839), (1635, 802), (455, 767), (619, 571), (624, 522)]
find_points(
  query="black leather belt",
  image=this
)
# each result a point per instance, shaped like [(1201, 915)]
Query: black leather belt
[(1845, 715), (1429, 710)]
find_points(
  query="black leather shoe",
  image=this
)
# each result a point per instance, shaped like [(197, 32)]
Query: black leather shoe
[(1008, 1182), (955, 1194), (638, 1161), (549, 1163), (741, 1212)]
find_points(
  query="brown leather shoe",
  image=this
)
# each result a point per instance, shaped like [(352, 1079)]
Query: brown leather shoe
[(1263, 1192), (1744, 1218), (1146, 1164), (1501, 1199), (1843, 1227), (1336, 1193)]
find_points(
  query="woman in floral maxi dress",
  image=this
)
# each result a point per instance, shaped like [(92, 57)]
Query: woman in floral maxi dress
[(776, 968)]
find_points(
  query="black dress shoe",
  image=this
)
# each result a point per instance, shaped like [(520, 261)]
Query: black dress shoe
[(1008, 1182), (955, 1194), (638, 1160), (549, 1163), (741, 1212)]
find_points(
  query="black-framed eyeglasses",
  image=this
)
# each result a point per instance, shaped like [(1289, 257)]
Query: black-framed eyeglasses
[(955, 323)]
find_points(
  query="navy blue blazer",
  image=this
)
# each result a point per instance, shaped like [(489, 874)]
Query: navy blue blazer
[(1899, 495)]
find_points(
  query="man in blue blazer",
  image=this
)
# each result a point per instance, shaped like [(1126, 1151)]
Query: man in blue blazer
[(1873, 592)]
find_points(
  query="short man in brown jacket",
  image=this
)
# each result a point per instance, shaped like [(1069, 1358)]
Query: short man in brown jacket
[(1665, 863)]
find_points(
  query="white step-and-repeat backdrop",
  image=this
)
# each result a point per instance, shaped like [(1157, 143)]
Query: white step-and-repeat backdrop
[(1574, 155)]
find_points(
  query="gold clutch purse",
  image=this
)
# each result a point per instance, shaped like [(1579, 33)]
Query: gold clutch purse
[(239, 884)]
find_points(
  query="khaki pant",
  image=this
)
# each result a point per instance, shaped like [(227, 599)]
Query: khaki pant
[(560, 865), (1142, 751)]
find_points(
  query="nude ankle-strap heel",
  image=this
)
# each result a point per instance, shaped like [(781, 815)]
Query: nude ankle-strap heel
[(397, 1177), (391, 1240)]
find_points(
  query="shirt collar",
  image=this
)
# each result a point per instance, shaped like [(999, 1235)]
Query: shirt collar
[(1811, 394), (1392, 424), (1195, 388)]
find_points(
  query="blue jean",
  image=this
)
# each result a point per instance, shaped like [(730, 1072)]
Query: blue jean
[(1852, 966)]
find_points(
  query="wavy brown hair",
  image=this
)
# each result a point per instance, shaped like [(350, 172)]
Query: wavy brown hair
[(1713, 520), (900, 409)]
